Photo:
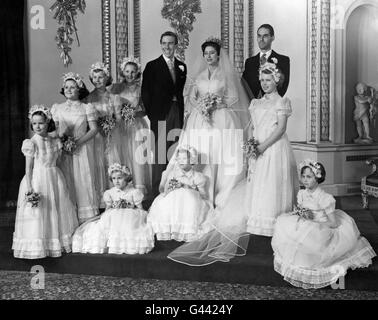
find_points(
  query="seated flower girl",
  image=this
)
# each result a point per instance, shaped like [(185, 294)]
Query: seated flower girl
[(122, 227), (182, 209), (316, 244)]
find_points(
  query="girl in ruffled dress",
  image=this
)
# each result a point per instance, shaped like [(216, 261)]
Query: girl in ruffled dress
[(182, 211), (134, 126), (316, 244), (78, 121), (122, 227), (107, 145), (46, 217)]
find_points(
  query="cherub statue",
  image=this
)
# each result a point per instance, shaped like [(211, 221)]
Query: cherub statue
[(364, 105)]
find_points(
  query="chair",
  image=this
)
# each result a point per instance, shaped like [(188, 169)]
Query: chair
[(369, 184)]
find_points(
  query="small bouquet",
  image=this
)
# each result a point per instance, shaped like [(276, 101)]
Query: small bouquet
[(250, 148), (303, 213), (128, 114), (107, 124), (208, 104), (33, 198), (122, 204), (69, 144), (174, 184)]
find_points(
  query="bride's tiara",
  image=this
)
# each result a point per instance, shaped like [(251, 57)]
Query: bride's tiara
[(214, 40)]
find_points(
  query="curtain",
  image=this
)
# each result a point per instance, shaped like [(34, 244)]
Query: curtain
[(13, 96)]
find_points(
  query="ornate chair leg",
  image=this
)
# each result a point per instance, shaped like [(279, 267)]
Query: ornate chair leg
[(365, 200)]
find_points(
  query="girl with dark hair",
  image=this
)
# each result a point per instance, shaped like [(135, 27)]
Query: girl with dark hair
[(73, 118), (135, 127), (46, 217), (316, 244)]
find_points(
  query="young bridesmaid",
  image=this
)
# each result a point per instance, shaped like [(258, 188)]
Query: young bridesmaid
[(46, 217), (182, 211), (316, 244), (107, 150), (134, 154), (122, 227), (78, 121)]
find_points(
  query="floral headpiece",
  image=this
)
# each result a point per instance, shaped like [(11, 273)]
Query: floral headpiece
[(99, 66), (130, 59), (192, 152), (214, 40), (39, 107), (272, 67), (117, 167), (313, 165), (75, 77)]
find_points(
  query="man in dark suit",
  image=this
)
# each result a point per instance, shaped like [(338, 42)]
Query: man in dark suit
[(162, 95), (265, 37)]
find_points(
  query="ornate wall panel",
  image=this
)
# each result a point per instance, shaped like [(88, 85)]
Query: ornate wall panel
[(121, 20), (239, 35), (225, 24), (106, 33), (137, 28)]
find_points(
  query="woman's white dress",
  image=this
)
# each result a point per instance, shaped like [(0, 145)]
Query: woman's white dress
[(78, 168), (181, 214), (106, 151), (117, 230), (273, 177), (219, 142), (45, 230), (310, 255), (134, 154)]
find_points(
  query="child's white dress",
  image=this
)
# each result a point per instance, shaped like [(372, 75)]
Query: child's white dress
[(272, 183), (310, 255), (134, 155), (117, 230), (184, 213), (79, 168), (45, 230)]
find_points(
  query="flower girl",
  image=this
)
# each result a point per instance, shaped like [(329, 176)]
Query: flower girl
[(182, 209), (134, 126), (316, 244), (122, 227), (46, 217)]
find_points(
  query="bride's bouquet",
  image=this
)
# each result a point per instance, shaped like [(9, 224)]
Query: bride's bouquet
[(250, 148), (174, 184), (207, 104), (128, 114)]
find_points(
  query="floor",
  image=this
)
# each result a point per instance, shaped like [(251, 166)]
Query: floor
[(17, 285)]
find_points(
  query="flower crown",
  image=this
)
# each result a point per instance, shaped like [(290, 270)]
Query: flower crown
[(99, 66), (214, 40), (75, 77), (192, 152), (313, 165), (131, 59), (117, 167), (39, 107), (272, 67)]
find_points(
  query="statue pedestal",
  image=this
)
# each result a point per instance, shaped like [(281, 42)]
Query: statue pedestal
[(345, 164)]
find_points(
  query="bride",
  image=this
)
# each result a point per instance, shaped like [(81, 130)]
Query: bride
[(216, 115)]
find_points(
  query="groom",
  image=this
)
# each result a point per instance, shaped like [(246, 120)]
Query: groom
[(265, 37), (162, 95)]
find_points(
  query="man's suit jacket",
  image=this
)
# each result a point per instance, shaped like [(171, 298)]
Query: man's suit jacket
[(158, 88), (251, 72)]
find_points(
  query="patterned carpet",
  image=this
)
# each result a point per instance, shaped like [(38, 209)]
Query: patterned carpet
[(17, 285)]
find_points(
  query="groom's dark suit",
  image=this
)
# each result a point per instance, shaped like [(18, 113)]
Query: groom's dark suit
[(251, 73), (163, 100)]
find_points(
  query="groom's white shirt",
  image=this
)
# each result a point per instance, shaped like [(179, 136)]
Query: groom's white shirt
[(267, 54)]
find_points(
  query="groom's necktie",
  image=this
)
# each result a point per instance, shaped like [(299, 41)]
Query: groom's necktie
[(263, 59), (171, 67)]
